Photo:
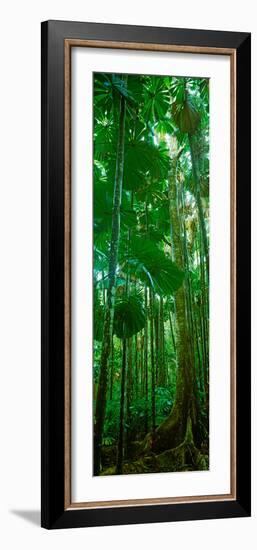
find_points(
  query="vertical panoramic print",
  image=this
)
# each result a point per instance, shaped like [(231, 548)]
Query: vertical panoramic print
[(151, 274)]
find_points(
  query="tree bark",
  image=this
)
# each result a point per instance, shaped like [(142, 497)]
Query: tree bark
[(129, 392), (152, 361), (122, 405), (146, 362), (172, 431), (199, 202)]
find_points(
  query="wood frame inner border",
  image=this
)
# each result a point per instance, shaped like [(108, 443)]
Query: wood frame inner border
[(231, 52)]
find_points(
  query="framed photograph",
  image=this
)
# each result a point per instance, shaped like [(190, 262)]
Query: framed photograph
[(145, 274)]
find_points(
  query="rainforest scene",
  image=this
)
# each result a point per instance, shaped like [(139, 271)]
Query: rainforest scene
[(150, 274)]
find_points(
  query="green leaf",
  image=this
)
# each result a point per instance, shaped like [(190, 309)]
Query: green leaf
[(156, 99), (103, 205), (144, 160), (129, 317), (152, 266), (121, 86), (186, 117)]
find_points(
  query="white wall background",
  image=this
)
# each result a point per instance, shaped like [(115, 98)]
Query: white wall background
[(20, 274)]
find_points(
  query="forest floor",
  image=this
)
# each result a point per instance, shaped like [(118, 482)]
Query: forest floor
[(183, 458)]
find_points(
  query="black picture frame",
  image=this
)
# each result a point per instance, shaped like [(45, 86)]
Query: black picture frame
[(54, 514)]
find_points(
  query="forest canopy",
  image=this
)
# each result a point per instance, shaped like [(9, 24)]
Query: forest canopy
[(151, 274)]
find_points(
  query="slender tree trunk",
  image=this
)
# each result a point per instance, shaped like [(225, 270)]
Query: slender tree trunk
[(122, 406), (136, 366), (198, 201), (112, 368), (109, 309), (103, 288), (152, 362), (162, 365), (172, 332), (146, 337), (141, 364), (146, 362), (157, 341), (204, 317), (172, 250), (129, 393)]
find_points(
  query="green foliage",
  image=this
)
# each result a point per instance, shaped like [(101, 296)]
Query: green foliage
[(111, 426), (139, 410), (186, 117), (103, 202), (107, 90), (143, 160), (129, 317), (150, 264), (164, 402), (156, 99), (158, 260)]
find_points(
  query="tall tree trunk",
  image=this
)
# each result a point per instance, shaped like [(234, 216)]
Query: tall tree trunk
[(146, 336), (109, 310), (196, 403), (157, 340), (172, 333), (136, 354), (162, 361), (112, 368), (146, 363), (198, 201), (129, 393), (122, 406), (152, 362), (204, 319), (173, 429)]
